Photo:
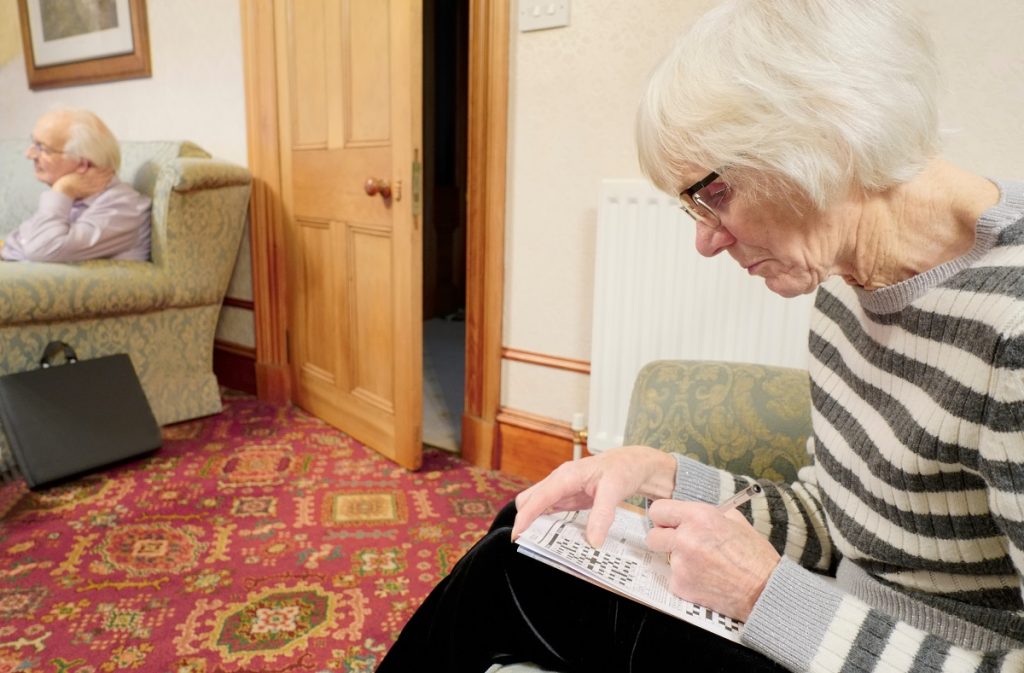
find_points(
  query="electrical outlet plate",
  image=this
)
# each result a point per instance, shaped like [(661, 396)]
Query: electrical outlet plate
[(543, 14)]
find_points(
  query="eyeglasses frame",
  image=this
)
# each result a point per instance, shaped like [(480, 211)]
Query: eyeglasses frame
[(43, 148), (715, 220)]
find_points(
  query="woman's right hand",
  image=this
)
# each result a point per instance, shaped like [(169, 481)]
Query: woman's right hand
[(598, 483)]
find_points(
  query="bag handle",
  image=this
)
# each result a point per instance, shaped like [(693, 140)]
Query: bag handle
[(51, 351)]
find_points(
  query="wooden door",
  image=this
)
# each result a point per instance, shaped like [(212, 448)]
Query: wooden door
[(349, 108)]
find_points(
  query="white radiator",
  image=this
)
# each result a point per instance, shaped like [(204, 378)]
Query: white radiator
[(656, 298)]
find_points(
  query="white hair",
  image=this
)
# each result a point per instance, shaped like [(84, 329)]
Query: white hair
[(89, 138), (817, 95)]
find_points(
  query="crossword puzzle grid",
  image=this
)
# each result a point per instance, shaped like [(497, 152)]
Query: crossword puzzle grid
[(620, 572), (561, 541), (613, 569), (728, 623)]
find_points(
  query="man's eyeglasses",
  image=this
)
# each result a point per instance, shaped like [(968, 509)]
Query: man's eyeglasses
[(702, 200), (42, 148)]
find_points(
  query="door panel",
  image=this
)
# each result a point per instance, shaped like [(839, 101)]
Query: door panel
[(315, 241), (365, 65), (350, 108), (308, 75), (373, 329)]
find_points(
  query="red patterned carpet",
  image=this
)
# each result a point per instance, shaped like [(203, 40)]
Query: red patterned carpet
[(260, 539)]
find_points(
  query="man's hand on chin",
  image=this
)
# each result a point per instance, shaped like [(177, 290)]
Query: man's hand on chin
[(84, 182)]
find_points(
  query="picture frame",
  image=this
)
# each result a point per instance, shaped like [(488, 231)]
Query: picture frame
[(106, 40)]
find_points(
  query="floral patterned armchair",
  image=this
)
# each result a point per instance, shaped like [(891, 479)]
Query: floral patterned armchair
[(745, 418), (163, 313)]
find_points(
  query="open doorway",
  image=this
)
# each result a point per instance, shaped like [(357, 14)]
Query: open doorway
[(445, 69)]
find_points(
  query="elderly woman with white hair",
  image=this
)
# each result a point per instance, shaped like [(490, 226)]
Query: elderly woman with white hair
[(87, 213), (802, 137)]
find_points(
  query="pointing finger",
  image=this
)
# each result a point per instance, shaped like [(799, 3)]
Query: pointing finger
[(538, 498), (600, 518), (523, 496)]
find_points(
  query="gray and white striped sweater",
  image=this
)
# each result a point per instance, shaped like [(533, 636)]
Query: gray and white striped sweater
[(915, 499)]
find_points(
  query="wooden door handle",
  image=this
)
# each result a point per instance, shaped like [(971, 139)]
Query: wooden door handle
[(376, 186)]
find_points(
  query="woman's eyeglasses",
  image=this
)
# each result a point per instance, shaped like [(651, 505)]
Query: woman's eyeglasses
[(702, 200)]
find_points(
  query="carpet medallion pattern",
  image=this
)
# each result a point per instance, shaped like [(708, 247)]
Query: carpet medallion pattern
[(260, 539)]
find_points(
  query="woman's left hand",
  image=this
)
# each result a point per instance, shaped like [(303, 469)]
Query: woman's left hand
[(718, 560)]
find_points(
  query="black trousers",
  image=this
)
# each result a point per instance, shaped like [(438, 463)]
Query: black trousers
[(498, 605)]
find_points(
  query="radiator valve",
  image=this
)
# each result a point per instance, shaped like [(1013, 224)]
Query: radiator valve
[(579, 435)]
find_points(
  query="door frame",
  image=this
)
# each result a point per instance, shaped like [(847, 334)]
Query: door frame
[(487, 130)]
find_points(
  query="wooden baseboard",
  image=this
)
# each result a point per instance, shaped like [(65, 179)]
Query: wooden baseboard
[(273, 383), (235, 366), (530, 445)]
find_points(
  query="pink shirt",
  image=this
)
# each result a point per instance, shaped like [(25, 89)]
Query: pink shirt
[(113, 224)]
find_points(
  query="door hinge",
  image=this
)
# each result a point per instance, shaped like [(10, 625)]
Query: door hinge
[(417, 184)]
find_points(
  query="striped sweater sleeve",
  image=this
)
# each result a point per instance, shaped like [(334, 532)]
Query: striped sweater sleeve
[(806, 622), (790, 516)]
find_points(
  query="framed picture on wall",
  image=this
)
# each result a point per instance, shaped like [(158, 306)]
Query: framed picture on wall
[(72, 42)]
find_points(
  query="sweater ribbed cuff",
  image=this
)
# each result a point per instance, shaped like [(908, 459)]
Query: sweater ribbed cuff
[(790, 619), (696, 481)]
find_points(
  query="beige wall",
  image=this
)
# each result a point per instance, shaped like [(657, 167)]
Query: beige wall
[(573, 95), (573, 92), (982, 56), (196, 93)]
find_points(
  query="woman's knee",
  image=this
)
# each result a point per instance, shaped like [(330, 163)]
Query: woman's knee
[(504, 518)]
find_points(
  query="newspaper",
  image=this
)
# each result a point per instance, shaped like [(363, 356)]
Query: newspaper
[(623, 564)]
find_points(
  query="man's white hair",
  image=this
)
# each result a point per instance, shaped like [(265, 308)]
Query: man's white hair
[(89, 138), (816, 95)]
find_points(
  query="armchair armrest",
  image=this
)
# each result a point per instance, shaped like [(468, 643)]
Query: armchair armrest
[(193, 174), (745, 418), (199, 211)]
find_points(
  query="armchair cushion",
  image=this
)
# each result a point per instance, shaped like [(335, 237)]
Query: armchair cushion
[(33, 292)]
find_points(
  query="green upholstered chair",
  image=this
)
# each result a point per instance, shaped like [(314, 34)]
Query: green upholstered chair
[(164, 312), (746, 418)]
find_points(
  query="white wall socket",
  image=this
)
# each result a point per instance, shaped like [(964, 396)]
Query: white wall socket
[(542, 14)]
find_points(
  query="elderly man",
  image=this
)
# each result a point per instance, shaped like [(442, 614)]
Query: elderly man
[(87, 213)]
